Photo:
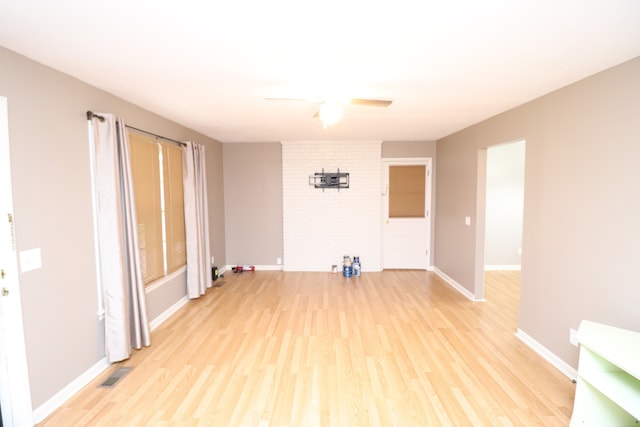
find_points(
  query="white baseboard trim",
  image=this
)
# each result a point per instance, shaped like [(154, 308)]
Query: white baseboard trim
[(167, 313), (269, 267), (224, 269), (58, 399), (47, 408), (256, 267), (455, 285), (328, 270), (547, 355), (502, 268)]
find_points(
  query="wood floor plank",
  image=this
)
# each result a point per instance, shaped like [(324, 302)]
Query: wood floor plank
[(397, 348)]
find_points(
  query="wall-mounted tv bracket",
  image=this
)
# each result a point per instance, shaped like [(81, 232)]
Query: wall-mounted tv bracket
[(330, 180)]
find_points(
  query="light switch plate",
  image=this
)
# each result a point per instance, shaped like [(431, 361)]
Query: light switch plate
[(30, 260)]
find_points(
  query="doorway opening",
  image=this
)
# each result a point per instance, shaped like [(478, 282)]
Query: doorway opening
[(500, 210), (15, 394)]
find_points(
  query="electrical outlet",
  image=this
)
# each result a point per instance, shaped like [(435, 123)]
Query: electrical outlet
[(573, 337), (279, 261), (212, 259), (519, 251)]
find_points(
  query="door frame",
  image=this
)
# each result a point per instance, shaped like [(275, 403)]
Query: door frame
[(15, 392), (409, 161), (481, 214)]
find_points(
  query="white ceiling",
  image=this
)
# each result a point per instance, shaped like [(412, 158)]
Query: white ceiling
[(209, 64)]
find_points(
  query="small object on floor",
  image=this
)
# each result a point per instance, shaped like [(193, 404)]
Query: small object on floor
[(356, 266), (241, 268), (347, 267)]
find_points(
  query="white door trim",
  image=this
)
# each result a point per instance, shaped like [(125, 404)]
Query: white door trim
[(15, 393), (408, 161)]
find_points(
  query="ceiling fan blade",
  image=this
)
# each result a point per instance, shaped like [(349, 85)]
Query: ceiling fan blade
[(371, 102)]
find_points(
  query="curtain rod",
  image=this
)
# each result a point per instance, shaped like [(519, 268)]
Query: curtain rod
[(157, 136), (91, 115)]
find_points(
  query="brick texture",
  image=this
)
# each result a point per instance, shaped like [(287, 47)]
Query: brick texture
[(320, 227)]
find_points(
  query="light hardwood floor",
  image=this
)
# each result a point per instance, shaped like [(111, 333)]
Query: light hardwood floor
[(397, 348)]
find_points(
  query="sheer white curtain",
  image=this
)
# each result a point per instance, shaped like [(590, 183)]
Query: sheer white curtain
[(126, 321), (196, 220)]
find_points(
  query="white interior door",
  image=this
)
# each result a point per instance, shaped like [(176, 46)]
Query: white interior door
[(406, 213), (15, 395)]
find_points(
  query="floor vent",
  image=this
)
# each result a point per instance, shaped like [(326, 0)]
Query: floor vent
[(115, 377)]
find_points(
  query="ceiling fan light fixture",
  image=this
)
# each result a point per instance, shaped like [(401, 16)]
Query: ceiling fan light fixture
[(330, 113)]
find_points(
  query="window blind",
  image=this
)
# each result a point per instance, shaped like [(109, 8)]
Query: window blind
[(157, 179), (406, 191)]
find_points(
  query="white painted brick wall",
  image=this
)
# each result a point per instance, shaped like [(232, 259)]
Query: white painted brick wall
[(320, 227)]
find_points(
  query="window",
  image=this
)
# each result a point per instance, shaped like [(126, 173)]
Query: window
[(157, 181), (406, 191)]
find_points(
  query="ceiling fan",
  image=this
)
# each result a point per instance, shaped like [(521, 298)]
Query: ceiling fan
[(330, 111)]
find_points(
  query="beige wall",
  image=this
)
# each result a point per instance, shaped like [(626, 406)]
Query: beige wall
[(53, 212), (253, 203), (216, 199), (581, 208), (409, 149)]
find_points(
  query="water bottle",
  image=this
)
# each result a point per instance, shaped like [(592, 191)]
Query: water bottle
[(347, 267), (356, 266)]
